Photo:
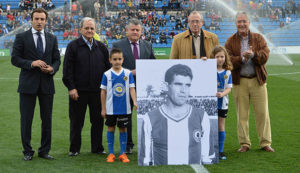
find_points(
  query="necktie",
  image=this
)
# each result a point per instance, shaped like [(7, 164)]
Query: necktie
[(135, 51), (39, 45)]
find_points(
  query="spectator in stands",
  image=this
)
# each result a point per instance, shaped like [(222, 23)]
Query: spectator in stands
[(147, 29), (65, 35), (39, 4), (217, 25), (178, 25), (162, 37), (88, 8), (97, 9), (212, 25), (5, 30), (164, 21), (203, 42), (156, 30), (288, 20), (21, 5), (272, 16), (281, 25), (143, 37), (164, 7), (283, 11), (55, 26), (152, 30), (249, 76), (167, 33), (269, 2), (8, 8), (10, 20), (133, 48), (108, 33), (74, 8), (118, 34), (148, 37), (49, 5), (160, 22), (153, 39)]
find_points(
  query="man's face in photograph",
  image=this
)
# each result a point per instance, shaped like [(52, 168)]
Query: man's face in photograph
[(179, 89)]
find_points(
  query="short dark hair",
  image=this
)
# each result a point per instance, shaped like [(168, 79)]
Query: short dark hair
[(178, 69), (134, 21), (114, 51), (39, 10)]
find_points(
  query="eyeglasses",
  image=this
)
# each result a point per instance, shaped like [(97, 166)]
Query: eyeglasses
[(195, 21), (87, 28)]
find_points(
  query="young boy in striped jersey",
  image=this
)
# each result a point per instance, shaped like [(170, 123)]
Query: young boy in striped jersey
[(116, 86)]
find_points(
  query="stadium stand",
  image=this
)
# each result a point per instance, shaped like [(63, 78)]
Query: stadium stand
[(168, 18)]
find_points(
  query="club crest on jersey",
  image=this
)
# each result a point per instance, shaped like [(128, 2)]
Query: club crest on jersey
[(225, 76), (125, 78), (197, 135), (119, 90)]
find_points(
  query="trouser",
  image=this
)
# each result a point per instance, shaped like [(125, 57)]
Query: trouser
[(130, 143), (77, 110), (27, 105), (250, 90)]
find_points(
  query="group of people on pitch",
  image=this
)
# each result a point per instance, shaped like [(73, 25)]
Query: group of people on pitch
[(87, 61)]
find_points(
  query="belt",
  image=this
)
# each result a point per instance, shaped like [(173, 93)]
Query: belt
[(249, 77)]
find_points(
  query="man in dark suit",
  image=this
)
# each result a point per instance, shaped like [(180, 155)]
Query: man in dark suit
[(86, 60), (133, 48), (36, 53)]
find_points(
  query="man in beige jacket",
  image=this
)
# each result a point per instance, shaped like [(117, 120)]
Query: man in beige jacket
[(194, 42)]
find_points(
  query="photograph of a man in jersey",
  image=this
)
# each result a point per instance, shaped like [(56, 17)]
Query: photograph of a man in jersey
[(175, 132)]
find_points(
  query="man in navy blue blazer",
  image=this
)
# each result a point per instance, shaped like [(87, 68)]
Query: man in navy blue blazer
[(133, 48), (36, 52)]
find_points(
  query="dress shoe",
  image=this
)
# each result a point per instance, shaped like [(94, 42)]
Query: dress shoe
[(46, 156), (73, 153), (268, 149), (100, 152), (27, 157), (128, 151), (243, 149)]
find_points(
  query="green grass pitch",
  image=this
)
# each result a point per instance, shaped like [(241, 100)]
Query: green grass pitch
[(284, 106)]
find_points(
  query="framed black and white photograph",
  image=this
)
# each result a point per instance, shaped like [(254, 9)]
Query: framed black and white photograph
[(177, 112)]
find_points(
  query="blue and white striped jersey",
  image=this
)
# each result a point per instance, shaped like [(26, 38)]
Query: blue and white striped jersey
[(224, 81), (117, 88)]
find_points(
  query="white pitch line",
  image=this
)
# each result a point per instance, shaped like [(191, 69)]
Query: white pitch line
[(199, 169), (279, 74)]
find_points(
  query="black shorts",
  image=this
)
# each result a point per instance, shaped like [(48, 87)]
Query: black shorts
[(120, 120), (222, 113)]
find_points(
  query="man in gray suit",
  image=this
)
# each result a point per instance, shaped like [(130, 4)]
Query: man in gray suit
[(133, 48)]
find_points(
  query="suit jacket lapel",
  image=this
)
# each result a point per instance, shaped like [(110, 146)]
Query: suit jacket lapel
[(142, 49), (47, 39), (31, 42), (128, 48), (129, 52)]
